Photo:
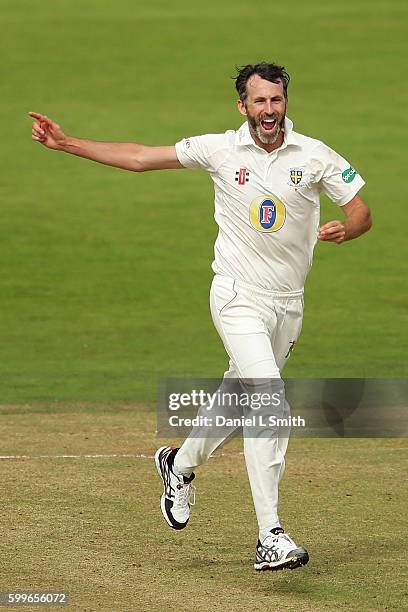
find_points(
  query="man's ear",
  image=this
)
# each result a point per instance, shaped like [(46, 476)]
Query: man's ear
[(242, 108)]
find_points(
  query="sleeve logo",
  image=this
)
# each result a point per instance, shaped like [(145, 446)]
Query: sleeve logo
[(348, 175)]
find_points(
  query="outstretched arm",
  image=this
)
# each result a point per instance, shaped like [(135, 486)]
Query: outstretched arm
[(358, 222), (126, 155)]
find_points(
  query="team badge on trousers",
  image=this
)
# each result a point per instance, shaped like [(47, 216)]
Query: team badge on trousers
[(296, 176)]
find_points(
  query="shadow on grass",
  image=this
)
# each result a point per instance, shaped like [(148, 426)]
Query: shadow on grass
[(320, 575), (239, 576)]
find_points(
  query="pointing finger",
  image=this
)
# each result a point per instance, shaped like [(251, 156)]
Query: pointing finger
[(44, 120), (38, 116)]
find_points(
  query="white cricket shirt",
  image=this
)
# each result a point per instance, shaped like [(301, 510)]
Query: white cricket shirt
[(267, 205)]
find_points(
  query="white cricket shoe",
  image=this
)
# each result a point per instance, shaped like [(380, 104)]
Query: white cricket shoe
[(278, 551), (178, 494)]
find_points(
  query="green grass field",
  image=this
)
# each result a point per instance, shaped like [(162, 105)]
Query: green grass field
[(105, 273), (104, 291)]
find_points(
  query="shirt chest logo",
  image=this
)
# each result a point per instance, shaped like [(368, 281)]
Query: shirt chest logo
[(296, 175), (242, 176), (267, 213)]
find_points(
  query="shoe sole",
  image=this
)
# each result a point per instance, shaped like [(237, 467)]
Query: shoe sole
[(163, 497), (292, 563)]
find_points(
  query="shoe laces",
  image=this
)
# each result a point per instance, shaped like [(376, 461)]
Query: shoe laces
[(185, 494), (281, 540)]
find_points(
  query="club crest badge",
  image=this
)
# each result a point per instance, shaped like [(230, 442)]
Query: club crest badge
[(296, 175)]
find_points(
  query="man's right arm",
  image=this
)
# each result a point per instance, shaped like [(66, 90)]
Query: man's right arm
[(126, 155)]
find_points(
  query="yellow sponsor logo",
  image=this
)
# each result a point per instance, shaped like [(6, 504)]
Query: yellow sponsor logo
[(267, 213)]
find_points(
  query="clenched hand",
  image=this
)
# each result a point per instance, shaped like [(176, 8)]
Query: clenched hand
[(333, 231)]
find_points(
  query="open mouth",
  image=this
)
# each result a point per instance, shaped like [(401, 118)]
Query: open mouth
[(268, 124)]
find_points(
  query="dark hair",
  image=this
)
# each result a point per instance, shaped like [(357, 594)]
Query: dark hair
[(269, 72)]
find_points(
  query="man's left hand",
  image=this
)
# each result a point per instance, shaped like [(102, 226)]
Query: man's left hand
[(333, 231)]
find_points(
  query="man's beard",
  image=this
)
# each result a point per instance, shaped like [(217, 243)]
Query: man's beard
[(268, 139)]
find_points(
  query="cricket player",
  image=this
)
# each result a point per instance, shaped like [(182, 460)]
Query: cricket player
[(267, 180)]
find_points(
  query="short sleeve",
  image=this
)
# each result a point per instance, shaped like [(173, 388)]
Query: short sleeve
[(334, 175), (205, 152)]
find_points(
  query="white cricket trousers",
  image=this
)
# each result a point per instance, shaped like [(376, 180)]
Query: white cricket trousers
[(258, 329)]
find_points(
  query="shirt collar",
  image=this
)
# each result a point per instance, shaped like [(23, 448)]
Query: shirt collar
[(243, 136)]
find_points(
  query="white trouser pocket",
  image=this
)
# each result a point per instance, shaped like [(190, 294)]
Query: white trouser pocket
[(222, 293)]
